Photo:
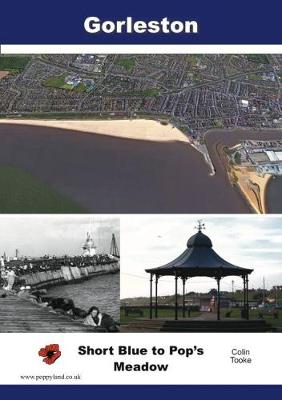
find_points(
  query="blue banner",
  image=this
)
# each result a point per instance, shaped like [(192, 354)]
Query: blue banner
[(138, 392), (218, 22)]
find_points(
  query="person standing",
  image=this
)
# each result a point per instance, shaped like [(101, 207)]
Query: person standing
[(11, 276)]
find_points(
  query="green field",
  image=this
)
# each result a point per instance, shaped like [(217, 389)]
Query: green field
[(162, 313), (255, 77), (127, 63), (144, 93), (235, 314), (193, 59), (55, 81), (149, 92), (58, 82), (23, 193), (14, 64), (254, 314), (258, 58)]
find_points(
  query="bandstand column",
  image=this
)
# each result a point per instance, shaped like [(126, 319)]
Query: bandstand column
[(176, 299), (247, 297), (156, 296), (183, 297), (151, 296), (244, 297), (218, 298)]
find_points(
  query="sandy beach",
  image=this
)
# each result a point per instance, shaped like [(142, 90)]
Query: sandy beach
[(137, 129), (253, 188), (3, 74)]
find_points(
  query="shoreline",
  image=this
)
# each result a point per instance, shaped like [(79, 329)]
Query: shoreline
[(137, 129), (255, 191), (266, 189)]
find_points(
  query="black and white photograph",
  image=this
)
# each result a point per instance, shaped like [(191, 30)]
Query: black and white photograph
[(59, 273)]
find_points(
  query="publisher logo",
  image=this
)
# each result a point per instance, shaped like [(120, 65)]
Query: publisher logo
[(50, 353)]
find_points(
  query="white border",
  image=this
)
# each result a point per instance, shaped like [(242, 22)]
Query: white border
[(142, 49)]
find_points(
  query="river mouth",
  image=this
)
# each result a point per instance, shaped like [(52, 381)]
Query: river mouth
[(216, 140), (274, 195)]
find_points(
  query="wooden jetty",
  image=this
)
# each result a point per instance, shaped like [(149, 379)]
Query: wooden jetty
[(21, 315)]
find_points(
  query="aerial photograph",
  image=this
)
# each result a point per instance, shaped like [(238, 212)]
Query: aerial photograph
[(216, 274), (59, 273), (126, 133)]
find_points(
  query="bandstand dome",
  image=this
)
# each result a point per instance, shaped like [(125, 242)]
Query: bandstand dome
[(199, 259)]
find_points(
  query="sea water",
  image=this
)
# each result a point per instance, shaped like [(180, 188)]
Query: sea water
[(100, 291)]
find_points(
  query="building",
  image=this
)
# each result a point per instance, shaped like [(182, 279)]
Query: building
[(89, 249)]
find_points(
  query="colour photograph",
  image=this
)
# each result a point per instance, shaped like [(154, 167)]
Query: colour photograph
[(126, 133), (217, 274)]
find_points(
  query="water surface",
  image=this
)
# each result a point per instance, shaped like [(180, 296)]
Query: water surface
[(101, 291)]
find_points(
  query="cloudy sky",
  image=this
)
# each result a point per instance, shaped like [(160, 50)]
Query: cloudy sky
[(54, 234), (247, 241)]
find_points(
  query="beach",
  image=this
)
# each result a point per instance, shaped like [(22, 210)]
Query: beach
[(217, 140), (137, 129), (253, 187), (3, 74)]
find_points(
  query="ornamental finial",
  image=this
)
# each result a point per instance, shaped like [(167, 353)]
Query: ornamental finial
[(200, 226)]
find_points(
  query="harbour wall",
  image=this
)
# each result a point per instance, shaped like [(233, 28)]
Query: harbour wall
[(68, 274)]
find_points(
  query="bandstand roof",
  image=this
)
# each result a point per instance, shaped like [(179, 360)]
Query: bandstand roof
[(199, 259)]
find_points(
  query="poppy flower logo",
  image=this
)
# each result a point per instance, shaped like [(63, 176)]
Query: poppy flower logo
[(51, 353)]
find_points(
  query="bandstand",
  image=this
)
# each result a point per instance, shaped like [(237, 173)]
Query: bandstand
[(198, 259)]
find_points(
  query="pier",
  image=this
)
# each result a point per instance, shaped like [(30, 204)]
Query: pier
[(18, 315)]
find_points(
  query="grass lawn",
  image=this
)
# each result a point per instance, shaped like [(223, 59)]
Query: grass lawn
[(258, 58), (14, 64), (193, 59), (144, 93), (146, 314), (127, 63), (58, 82), (255, 77), (254, 314), (236, 313), (55, 82), (22, 193)]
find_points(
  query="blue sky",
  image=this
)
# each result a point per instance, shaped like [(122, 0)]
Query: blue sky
[(54, 234), (250, 241)]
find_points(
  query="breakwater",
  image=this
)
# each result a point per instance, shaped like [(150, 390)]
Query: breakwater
[(68, 274), (18, 315)]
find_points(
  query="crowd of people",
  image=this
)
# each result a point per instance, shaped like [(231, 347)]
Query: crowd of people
[(7, 278), (25, 266)]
